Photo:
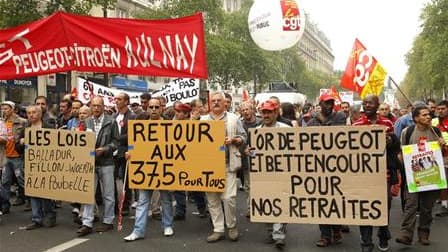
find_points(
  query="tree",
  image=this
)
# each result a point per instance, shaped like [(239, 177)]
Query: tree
[(428, 58), (14, 13)]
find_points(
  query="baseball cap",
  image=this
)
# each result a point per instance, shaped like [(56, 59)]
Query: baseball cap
[(326, 97), (182, 107), (9, 103), (268, 105)]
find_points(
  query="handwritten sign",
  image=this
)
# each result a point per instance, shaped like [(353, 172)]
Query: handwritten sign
[(177, 155), (180, 89), (59, 165), (330, 175), (424, 167)]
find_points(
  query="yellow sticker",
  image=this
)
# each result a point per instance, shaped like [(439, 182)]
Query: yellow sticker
[(434, 145), (407, 149)]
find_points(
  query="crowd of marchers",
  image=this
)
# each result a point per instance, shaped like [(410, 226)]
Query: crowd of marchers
[(421, 121)]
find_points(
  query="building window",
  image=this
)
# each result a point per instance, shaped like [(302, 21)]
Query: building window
[(121, 13), (229, 5)]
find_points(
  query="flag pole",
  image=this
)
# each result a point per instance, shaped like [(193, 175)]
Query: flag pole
[(399, 89)]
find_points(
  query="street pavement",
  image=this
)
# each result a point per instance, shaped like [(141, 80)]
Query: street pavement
[(190, 235)]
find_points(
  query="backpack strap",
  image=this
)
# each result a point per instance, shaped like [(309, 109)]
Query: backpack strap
[(408, 134)]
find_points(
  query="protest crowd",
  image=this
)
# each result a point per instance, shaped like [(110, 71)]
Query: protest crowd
[(418, 123)]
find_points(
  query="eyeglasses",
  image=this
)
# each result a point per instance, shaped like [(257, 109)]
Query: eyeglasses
[(154, 107)]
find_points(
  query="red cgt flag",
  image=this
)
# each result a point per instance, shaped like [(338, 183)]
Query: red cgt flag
[(363, 74)]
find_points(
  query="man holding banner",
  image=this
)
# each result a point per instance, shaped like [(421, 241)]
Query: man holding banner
[(143, 204), (371, 104), (422, 201), (270, 112), (235, 136), (328, 117), (43, 210)]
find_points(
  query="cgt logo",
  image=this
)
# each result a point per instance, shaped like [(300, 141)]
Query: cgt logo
[(291, 23), (291, 15)]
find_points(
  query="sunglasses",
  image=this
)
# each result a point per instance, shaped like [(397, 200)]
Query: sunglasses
[(154, 107)]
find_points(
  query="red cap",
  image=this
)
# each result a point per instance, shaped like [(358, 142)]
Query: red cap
[(182, 107), (326, 97), (268, 105)]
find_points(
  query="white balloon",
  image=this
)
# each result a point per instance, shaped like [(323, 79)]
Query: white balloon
[(276, 24)]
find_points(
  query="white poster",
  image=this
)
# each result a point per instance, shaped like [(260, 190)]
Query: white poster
[(181, 89), (88, 89)]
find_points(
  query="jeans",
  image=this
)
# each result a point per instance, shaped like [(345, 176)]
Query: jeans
[(181, 205), (13, 167), (383, 231), (105, 174), (3, 196), (326, 230), (199, 199), (141, 213), (42, 208)]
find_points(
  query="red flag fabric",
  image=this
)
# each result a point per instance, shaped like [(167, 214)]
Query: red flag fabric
[(63, 42), (245, 95), (363, 74)]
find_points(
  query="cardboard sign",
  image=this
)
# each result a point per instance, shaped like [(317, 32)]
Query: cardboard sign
[(424, 167), (319, 175), (60, 165), (177, 155)]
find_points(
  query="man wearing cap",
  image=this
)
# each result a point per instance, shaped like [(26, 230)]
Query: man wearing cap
[(269, 112), (370, 104), (328, 117), (224, 203), (14, 162)]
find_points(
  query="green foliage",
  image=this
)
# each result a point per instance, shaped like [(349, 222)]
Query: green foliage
[(72, 6), (14, 12), (428, 58)]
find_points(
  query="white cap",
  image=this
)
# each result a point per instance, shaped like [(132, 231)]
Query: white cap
[(9, 103)]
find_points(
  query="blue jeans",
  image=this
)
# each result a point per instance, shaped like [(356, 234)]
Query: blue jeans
[(41, 208), (181, 204), (2, 197), (383, 231), (13, 167), (106, 176), (199, 199), (141, 213)]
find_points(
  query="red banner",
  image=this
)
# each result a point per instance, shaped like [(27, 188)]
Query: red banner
[(363, 74), (63, 42)]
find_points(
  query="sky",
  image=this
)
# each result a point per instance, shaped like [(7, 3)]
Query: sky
[(387, 28)]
